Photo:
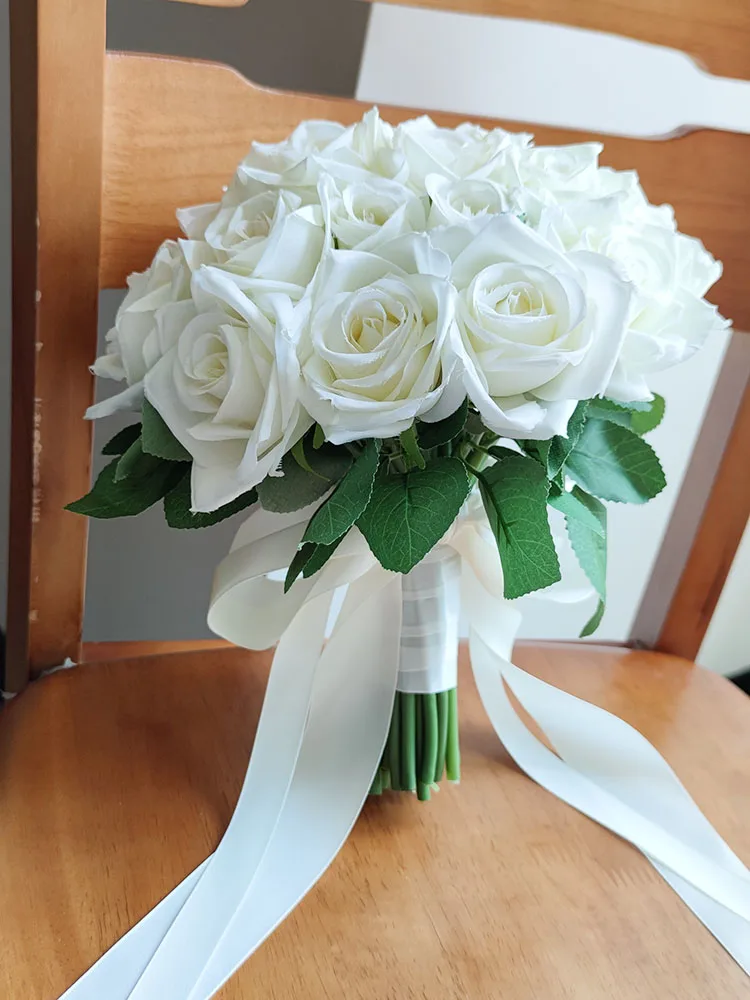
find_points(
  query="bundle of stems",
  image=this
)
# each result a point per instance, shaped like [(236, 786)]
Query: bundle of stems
[(422, 744)]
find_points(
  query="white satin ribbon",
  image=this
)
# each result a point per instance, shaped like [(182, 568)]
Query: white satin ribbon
[(320, 737), (431, 605)]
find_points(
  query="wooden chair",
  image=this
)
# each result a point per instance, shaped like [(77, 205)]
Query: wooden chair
[(118, 777)]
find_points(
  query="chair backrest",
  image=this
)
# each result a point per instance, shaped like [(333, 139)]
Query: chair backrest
[(717, 34), (99, 166)]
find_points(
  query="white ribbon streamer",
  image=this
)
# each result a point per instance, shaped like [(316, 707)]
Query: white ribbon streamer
[(322, 731)]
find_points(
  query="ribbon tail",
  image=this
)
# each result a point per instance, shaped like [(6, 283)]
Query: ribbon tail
[(189, 942), (344, 740), (119, 968), (185, 914), (612, 774), (730, 930)]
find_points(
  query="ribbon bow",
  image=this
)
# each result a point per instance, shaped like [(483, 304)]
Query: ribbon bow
[(320, 737)]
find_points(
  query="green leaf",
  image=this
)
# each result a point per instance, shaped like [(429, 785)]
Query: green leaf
[(340, 510), (591, 551), (412, 451), (514, 493), (557, 485), (134, 464), (157, 438), (301, 557), (594, 622), (319, 437), (308, 559), (572, 505), (605, 409), (443, 431), (320, 557), (613, 463), (177, 507), (474, 425), (120, 443), (586, 523), (127, 497), (299, 456), (554, 452), (635, 405), (296, 487), (409, 513), (640, 416), (644, 421)]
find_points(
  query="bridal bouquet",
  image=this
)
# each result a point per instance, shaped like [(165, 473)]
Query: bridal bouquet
[(391, 327)]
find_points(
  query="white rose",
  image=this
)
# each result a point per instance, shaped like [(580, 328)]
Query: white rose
[(536, 177), (613, 201), (366, 214), (368, 148), (669, 319), (229, 389), (290, 163), (465, 151), (558, 169), (239, 226), (155, 308), (468, 203), (625, 186), (285, 248), (537, 330), (195, 219), (660, 337), (246, 205), (261, 231), (372, 352)]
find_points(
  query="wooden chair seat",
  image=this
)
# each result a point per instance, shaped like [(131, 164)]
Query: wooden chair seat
[(116, 779)]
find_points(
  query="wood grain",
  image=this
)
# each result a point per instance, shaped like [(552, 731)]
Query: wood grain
[(57, 89), (98, 652), (203, 117), (494, 889), (717, 34), (713, 550)]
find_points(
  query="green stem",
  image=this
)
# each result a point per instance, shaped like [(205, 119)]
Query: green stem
[(477, 459), (408, 747), (418, 728), (442, 702), (393, 751), (411, 449), (423, 791), (430, 738), (452, 752)]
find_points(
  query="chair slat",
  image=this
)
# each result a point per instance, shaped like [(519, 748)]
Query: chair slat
[(57, 130), (713, 550), (214, 3), (203, 117), (717, 34)]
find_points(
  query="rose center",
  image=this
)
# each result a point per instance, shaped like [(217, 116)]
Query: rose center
[(522, 299), (210, 368), (367, 331), (373, 214), (260, 226), (473, 201)]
